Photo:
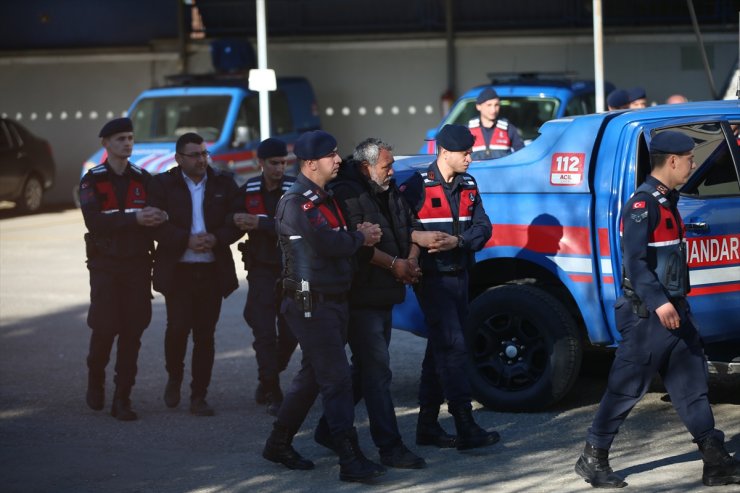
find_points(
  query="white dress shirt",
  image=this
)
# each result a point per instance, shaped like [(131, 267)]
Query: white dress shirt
[(197, 192)]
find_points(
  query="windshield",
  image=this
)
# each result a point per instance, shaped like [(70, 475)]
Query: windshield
[(526, 113), (164, 119)]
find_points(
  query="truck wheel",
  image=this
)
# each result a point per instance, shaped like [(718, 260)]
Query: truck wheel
[(31, 196), (524, 348)]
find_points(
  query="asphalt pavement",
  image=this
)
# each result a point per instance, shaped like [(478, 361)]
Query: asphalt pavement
[(50, 441)]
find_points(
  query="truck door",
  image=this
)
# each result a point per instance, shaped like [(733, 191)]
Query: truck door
[(710, 207)]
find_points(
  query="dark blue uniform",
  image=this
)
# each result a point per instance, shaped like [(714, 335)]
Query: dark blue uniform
[(273, 348), (120, 263), (317, 248), (655, 273), (456, 209)]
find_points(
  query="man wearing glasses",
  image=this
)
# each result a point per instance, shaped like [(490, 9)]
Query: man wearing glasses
[(193, 265), (256, 203)]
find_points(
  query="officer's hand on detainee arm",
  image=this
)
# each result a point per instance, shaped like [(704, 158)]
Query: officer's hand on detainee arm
[(245, 222), (150, 216), (371, 232), (434, 241), (668, 316)]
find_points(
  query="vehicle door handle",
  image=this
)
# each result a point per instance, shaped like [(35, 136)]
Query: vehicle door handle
[(699, 226)]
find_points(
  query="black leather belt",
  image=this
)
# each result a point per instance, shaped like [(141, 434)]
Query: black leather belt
[(317, 297)]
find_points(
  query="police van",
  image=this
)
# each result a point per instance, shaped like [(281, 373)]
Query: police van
[(224, 112), (543, 288)]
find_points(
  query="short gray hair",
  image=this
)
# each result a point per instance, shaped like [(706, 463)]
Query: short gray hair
[(369, 150)]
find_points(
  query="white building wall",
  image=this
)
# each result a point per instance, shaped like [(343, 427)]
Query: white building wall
[(387, 89)]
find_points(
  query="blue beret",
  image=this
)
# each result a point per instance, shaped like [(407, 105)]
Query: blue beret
[(455, 138), (618, 98), (671, 142), (314, 145), (485, 95), (636, 93), (116, 127), (272, 147)]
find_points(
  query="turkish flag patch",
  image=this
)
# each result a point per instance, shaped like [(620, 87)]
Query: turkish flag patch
[(308, 206), (640, 204)]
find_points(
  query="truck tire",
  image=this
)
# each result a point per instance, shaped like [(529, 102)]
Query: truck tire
[(525, 350)]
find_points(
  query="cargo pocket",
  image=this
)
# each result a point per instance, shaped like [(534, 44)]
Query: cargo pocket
[(629, 374)]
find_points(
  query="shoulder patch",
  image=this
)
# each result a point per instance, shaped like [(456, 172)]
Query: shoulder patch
[(308, 206), (639, 216), (639, 204)]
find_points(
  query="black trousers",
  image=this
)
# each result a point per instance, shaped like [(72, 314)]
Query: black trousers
[(193, 304), (120, 306), (274, 343)]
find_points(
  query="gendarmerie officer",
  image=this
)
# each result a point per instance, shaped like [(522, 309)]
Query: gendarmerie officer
[(317, 272), (655, 322), (256, 205), (494, 137), (448, 205), (113, 201), (193, 265)]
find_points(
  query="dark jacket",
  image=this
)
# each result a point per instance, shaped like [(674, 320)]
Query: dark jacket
[(169, 192), (361, 199), (109, 205)]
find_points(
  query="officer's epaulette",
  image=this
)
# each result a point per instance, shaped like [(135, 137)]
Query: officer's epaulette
[(502, 123), (99, 169), (475, 122), (253, 184), (287, 183), (661, 198), (312, 196), (427, 179), (468, 180), (136, 169)]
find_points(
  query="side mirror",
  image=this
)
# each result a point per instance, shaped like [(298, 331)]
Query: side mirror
[(241, 136)]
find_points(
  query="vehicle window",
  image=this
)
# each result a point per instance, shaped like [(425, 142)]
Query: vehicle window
[(715, 173), (5, 142), (164, 119), (580, 105), (15, 135), (280, 117), (527, 113), (249, 117)]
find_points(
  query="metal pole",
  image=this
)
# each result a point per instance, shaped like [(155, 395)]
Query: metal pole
[(598, 56), (262, 65), (182, 37), (450, 29), (702, 51)]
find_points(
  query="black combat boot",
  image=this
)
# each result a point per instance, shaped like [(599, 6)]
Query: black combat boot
[(469, 434), (278, 449), (593, 466), (719, 467), (429, 431), (322, 435), (172, 392), (121, 408), (353, 465), (95, 390)]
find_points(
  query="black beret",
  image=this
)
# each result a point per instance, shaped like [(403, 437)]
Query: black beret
[(314, 145), (671, 142), (455, 138), (272, 147), (618, 98), (116, 127), (636, 93), (485, 95)]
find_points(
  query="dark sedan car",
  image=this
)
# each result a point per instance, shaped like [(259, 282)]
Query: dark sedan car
[(26, 166)]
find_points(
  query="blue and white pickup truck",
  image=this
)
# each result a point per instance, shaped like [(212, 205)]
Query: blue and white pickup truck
[(544, 286), (224, 112)]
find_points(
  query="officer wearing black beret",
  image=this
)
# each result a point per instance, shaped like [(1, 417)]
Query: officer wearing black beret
[(317, 250), (494, 137), (618, 99), (454, 226), (637, 97), (255, 214), (113, 202), (654, 320)]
